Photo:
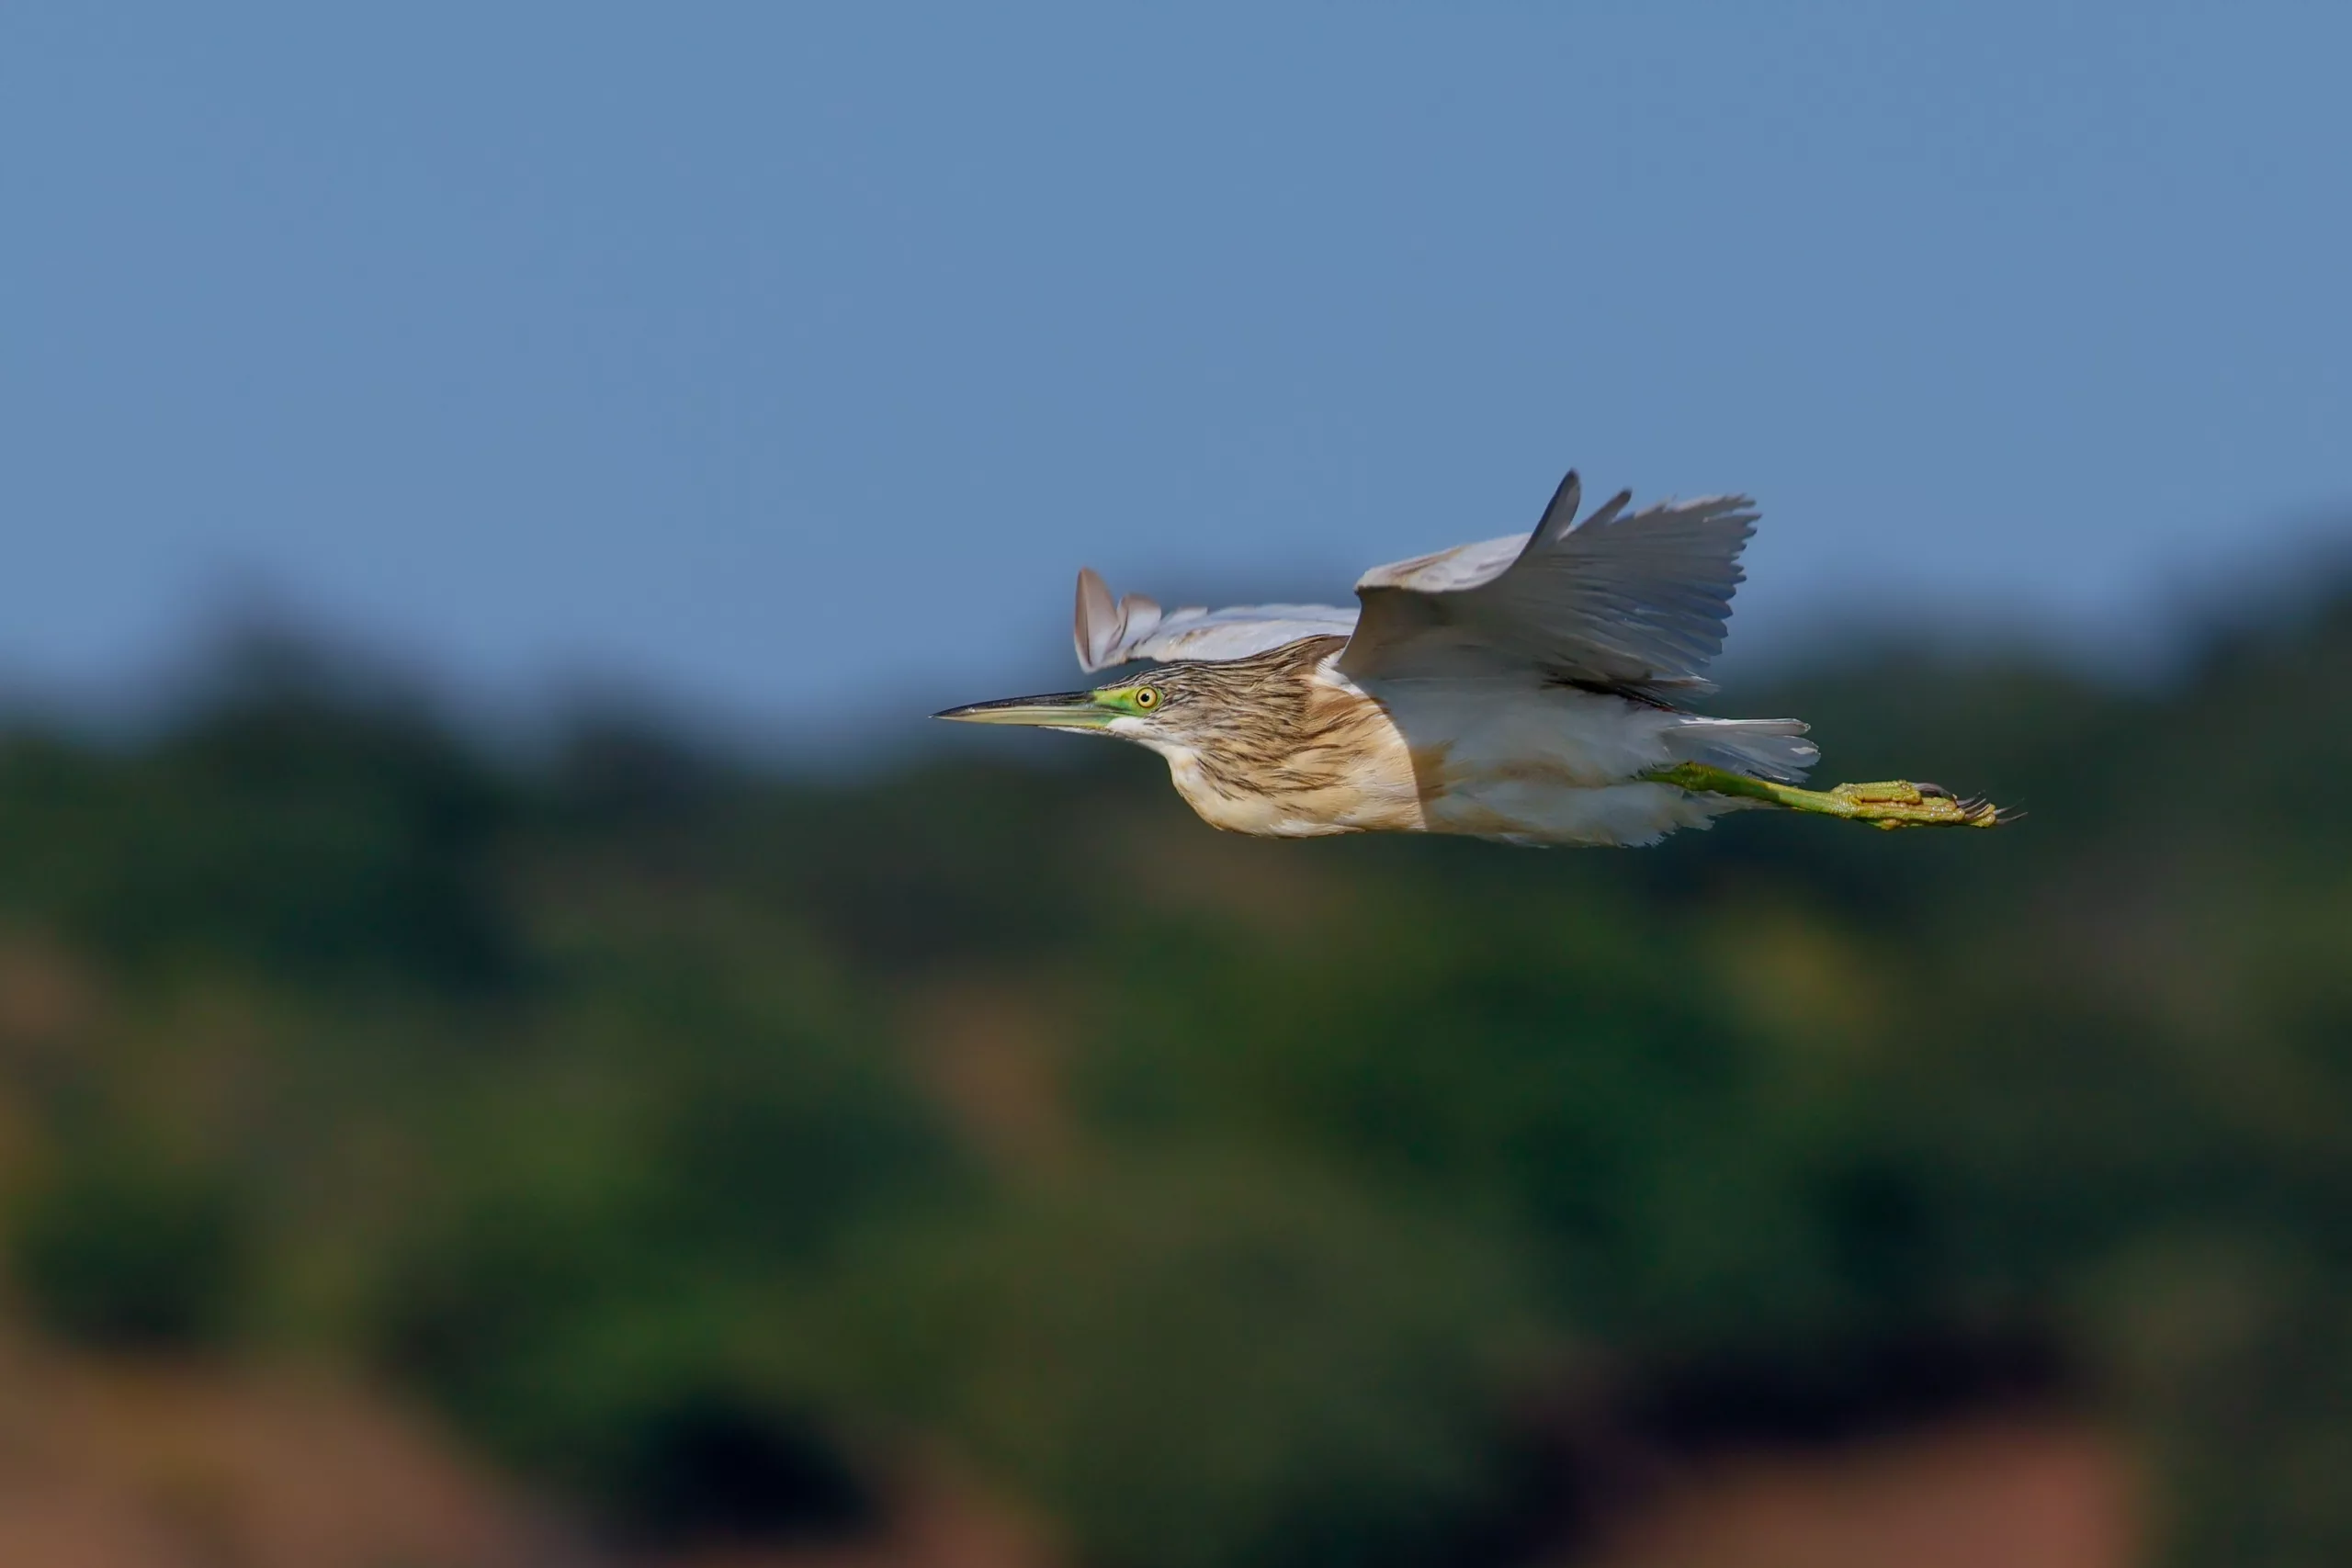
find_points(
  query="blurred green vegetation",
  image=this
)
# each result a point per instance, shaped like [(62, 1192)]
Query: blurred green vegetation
[(698, 1135)]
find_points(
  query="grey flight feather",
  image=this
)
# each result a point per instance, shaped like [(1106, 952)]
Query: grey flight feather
[(1624, 598)]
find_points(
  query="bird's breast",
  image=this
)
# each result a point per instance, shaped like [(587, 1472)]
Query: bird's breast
[(1341, 766)]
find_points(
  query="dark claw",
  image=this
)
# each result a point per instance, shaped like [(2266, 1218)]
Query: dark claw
[(1933, 791)]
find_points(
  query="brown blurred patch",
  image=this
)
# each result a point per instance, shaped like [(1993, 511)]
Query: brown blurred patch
[(991, 1049), (1988, 1492), (155, 1465), (48, 997), (165, 1464)]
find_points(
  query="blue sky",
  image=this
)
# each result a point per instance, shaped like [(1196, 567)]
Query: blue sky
[(789, 360)]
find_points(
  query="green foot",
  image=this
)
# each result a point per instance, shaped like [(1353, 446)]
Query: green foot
[(1894, 803)]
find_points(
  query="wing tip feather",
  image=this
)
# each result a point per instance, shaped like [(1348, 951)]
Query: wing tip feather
[(1094, 625)]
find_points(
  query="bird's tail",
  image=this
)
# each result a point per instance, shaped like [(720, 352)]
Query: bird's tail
[(1761, 748)]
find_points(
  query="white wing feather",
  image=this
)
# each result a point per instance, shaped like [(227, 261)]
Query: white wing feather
[(1109, 633)]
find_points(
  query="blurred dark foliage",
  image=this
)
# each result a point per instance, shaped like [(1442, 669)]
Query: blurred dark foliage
[(699, 1137)]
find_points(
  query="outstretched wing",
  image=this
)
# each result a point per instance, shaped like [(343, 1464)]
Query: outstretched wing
[(1112, 633), (1623, 599)]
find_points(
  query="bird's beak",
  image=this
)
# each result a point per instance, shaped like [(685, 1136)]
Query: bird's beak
[(1063, 710)]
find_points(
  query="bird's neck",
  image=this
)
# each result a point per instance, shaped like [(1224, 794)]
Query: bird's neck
[(1302, 753)]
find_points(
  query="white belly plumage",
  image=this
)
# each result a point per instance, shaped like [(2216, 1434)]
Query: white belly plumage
[(1543, 765)]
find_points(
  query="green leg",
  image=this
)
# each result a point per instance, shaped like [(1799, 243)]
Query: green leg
[(1891, 805)]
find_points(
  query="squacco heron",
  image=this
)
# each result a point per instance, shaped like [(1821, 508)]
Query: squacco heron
[(1525, 689)]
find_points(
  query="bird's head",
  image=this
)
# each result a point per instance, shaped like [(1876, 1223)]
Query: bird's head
[(1172, 707), (1242, 712)]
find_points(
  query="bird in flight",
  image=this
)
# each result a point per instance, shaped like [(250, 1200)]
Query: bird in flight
[(1525, 689)]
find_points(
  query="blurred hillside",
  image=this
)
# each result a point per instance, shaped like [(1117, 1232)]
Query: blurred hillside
[(636, 1154)]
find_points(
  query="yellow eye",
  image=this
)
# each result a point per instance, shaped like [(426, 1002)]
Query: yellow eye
[(1145, 698)]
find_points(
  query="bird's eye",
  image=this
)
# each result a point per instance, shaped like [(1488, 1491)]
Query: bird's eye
[(1146, 698)]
